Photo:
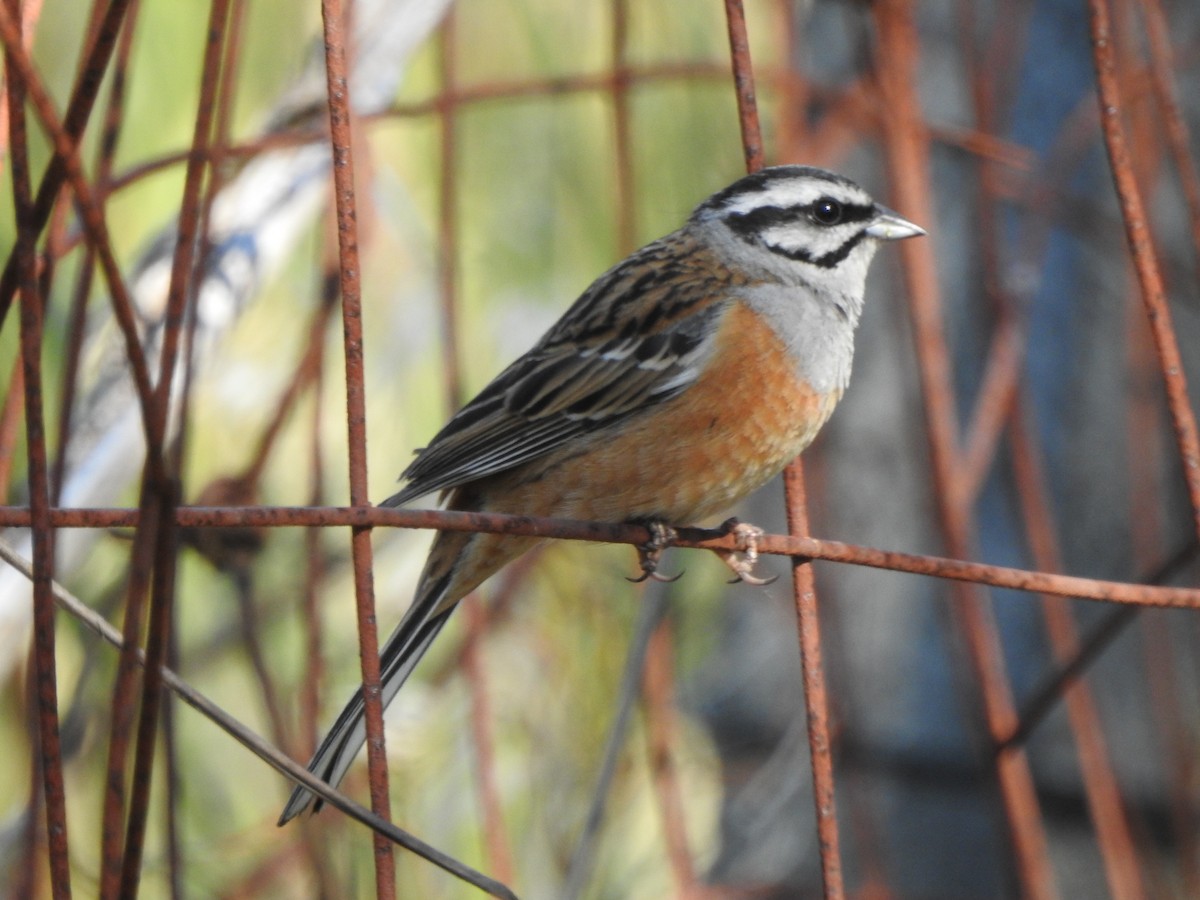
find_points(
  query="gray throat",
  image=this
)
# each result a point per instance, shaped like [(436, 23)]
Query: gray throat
[(816, 326)]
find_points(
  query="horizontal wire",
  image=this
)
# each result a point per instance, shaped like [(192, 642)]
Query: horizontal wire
[(571, 529)]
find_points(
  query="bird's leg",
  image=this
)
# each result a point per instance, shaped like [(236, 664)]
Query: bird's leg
[(662, 536), (741, 561)]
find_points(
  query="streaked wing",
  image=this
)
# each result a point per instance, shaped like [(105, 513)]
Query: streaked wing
[(638, 337)]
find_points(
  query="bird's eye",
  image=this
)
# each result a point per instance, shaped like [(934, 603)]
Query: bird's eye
[(827, 211)]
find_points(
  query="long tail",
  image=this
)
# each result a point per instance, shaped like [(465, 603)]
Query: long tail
[(458, 562), (438, 592)]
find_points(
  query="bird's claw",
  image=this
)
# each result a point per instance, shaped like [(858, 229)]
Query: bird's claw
[(742, 560), (649, 553)]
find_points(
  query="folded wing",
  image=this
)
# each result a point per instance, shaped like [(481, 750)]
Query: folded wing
[(637, 344)]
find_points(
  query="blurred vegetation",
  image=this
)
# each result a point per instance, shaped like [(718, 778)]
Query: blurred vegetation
[(536, 201)]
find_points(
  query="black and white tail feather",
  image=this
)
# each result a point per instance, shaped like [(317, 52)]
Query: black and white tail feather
[(399, 656)]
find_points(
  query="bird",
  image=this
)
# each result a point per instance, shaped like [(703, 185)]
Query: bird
[(684, 378)]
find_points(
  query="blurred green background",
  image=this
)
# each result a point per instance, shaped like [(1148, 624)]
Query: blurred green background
[(537, 207)]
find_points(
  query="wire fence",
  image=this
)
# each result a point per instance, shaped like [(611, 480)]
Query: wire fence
[(979, 435)]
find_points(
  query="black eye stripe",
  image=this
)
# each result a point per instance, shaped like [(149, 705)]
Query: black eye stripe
[(748, 224), (825, 260)]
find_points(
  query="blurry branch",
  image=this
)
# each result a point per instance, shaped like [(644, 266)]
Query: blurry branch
[(260, 748)]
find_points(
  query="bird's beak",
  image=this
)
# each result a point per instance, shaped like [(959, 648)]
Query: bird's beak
[(889, 226)]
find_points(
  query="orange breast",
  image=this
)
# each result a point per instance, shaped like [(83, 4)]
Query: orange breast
[(729, 433)]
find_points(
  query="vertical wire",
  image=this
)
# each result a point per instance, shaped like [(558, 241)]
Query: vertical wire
[(803, 586), (44, 637), (352, 326)]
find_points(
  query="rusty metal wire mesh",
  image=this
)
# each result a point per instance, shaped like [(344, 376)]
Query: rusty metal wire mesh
[(1020, 410)]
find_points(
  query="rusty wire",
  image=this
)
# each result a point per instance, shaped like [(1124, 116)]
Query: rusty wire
[(49, 760), (334, 19), (1145, 258), (803, 585), (961, 456), (163, 471), (908, 157), (1148, 595)]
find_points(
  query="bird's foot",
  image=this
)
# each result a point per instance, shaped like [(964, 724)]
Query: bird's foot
[(741, 560), (662, 536)]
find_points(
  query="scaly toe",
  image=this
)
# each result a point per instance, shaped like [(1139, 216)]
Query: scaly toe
[(741, 561), (662, 536)]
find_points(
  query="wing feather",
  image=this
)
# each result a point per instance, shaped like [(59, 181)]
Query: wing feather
[(636, 338)]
